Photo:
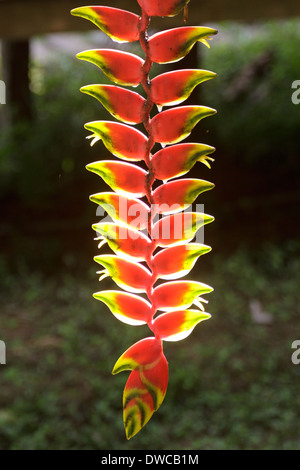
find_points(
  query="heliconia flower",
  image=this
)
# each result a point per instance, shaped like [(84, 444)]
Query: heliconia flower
[(131, 211), (121, 140), (177, 261), (178, 325), (172, 45), (176, 195), (178, 160), (154, 241), (125, 105), (174, 87), (175, 229), (175, 124), (132, 277), (122, 177), (165, 8), (119, 25), (121, 67), (131, 244), (126, 307)]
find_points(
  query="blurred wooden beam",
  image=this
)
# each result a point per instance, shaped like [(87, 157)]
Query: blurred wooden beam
[(21, 19)]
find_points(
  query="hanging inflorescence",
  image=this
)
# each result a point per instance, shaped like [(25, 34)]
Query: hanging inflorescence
[(151, 231)]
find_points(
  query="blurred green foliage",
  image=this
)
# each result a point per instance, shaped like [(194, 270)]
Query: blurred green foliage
[(232, 383), (39, 159), (257, 124)]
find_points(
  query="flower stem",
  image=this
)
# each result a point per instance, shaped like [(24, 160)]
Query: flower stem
[(146, 82)]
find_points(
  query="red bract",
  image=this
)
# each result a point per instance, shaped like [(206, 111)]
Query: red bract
[(132, 212), (177, 195), (175, 326), (178, 294), (174, 125), (132, 277), (125, 105), (145, 352), (162, 8), (121, 140), (173, 44), (121, 67), (120, 25), (129, 308), (121, 177), (152, 240), (177, 261), (178, 228), (175, 87), (147, 383), (124, 241), (179, 159)]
